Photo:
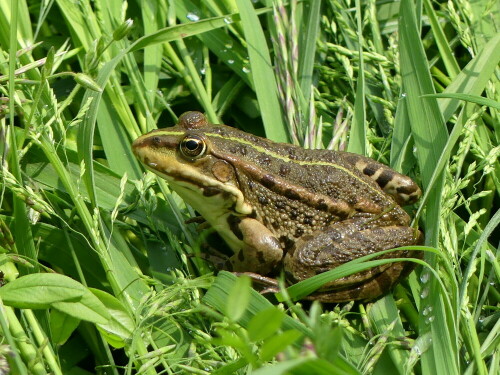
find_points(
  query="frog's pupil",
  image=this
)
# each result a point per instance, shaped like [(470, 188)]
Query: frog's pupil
[(192, 145)]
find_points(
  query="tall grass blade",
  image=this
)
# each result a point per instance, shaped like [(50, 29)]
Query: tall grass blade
[(261, 69), (427, 126)]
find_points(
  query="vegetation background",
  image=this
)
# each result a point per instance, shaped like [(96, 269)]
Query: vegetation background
[(98, 266)]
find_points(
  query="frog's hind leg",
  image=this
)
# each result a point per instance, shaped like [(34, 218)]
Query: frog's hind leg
[(343, 242)]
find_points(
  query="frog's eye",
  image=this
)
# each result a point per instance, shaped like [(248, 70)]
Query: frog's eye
[(193, 147)]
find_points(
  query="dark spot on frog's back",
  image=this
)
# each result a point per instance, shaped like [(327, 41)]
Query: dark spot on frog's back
[(407, 189), (321, 205), (263, 200), (291, 153), (241, 256), (370, 170), (292, 194), (268, 181), (384, 178), (238, 149), (298, 232), (279, 205)]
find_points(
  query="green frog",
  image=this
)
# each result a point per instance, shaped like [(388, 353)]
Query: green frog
[(282, 207)]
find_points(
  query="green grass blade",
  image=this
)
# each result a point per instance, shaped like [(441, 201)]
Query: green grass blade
[(262, 73), (474, 77), (357, 138), (428, 128), (467, 97), (154, 17), (227, 48), (385, 314), (184, 30), (308, 35), (446, 55)]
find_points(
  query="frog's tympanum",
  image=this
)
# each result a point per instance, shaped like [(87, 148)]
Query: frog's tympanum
[(282, 207)]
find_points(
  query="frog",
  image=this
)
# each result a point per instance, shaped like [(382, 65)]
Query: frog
[(284, 209)]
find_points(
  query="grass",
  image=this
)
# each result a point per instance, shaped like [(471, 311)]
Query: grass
[(99, 266)]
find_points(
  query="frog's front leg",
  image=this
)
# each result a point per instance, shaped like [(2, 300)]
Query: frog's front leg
[(259, 250), (343, 242)]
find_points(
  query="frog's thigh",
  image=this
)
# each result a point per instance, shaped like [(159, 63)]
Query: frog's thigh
[(261, 250), (343, 242)]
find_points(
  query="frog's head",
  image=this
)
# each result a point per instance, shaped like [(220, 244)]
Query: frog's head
[(185, 155)]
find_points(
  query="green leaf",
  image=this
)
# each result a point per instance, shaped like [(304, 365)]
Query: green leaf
[(329, 342), (40, 291), (278, 343), (184, 30), (384, 313), (308, 35), (45, 290), (120, 326), (264, 324), (357, 136), (62, 326), (238, 298)]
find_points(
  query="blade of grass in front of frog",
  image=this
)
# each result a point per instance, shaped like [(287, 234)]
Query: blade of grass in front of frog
[(480, 100), (428, 129), (308, 286)]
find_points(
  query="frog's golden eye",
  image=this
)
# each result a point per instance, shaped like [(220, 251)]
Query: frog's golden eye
[(193, 147)]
